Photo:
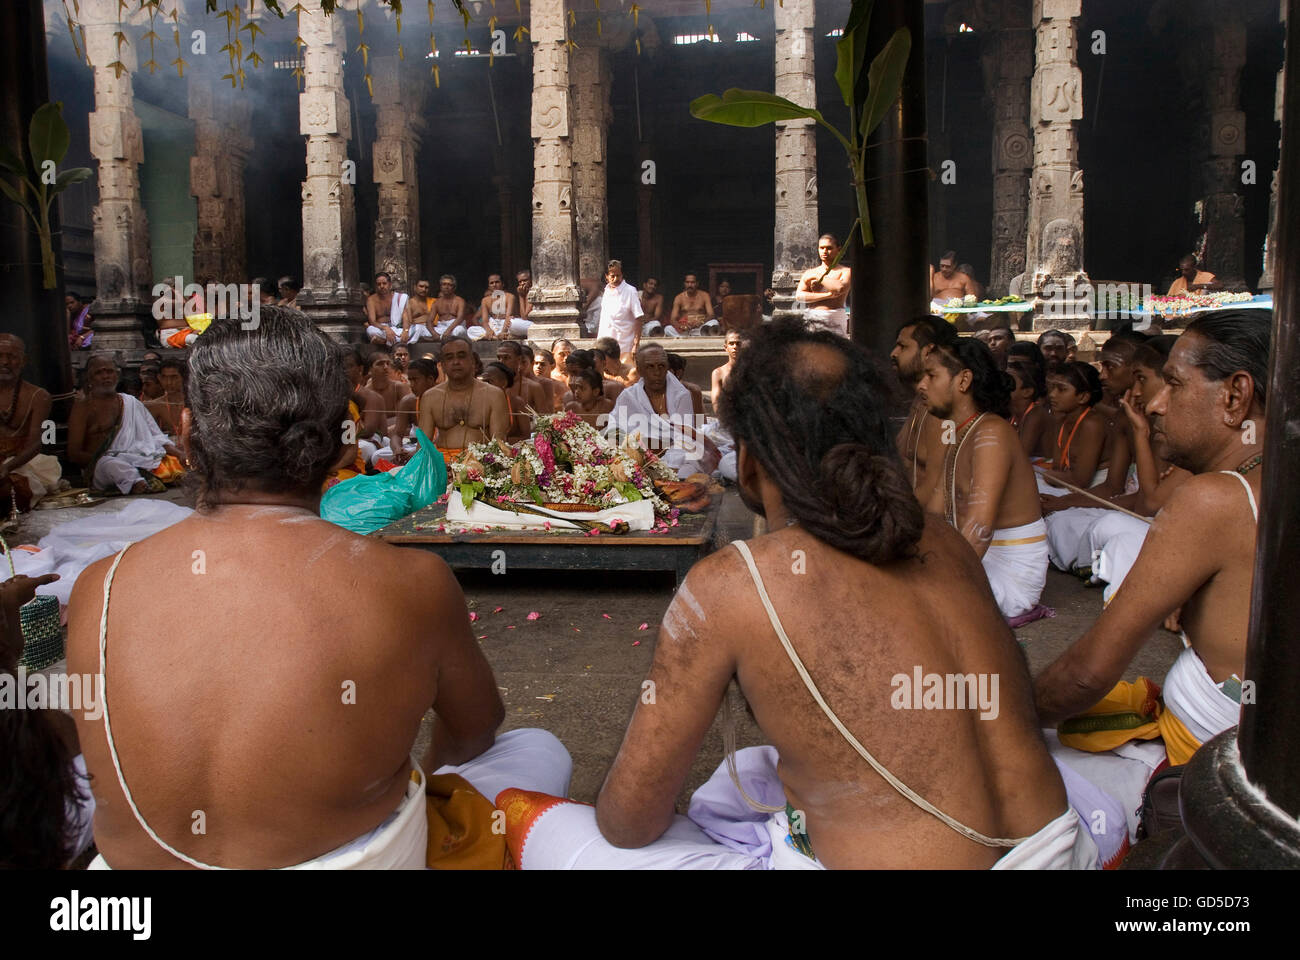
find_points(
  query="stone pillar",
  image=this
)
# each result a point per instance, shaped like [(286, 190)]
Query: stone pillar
[(123, 268), (1054, 274), (648, 261), (398, 125), (1221, 209), (589, 84), (1270, 242), (555, 292), (794, 243), (330, 294), (1009, 62), (222, 120)]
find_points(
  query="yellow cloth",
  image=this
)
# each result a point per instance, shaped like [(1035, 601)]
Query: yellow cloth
[(461, 821), (199, 322), (1131, 711)]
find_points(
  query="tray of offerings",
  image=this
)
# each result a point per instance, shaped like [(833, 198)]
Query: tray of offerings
[(567, 498)]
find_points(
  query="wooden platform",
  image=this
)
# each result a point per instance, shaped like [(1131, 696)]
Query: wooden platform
[(677, 550)]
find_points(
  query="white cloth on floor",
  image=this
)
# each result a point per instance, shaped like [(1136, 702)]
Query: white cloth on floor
[(1121, 774), (1114, 543), (1016, 565), (138, 445), (619, 309), (1099, 812), (74, 545), (639, 515), (383, 331)]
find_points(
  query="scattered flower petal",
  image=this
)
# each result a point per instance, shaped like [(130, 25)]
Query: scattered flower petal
[(511, 627), (498, 609), (607, 616), (534, 616), (484, 637), (644, 626), (472, 616), (636, 643)]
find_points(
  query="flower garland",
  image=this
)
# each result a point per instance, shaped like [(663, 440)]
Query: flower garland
[(565, 461)]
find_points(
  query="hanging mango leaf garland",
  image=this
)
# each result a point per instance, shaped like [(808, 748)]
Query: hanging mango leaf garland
[(47, 142), (756, 108)]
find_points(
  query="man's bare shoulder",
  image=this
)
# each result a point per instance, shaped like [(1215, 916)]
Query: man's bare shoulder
[(996, 429), (1205, 502)]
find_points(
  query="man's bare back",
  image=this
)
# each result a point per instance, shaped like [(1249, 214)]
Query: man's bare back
[(291, 725), (936, 613)]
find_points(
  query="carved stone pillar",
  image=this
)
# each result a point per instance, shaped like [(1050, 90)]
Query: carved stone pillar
[(1221, 209), (123, 267), (330, 294), (794, 243), (222, 119), (1009, 62), (589, 83), (647, 253), (398, 125), (1270, 242), (555, 292), (1054, 272)]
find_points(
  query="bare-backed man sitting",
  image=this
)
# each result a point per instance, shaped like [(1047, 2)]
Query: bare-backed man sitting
[(986, 486), (313, 767), (1199, 555), (828, 623)]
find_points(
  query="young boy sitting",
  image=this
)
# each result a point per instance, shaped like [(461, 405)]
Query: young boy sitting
[(588, 400)]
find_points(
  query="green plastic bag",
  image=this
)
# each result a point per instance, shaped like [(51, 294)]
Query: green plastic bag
[(364, 504)]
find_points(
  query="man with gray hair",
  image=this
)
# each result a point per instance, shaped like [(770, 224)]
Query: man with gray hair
[(1198, 556), (313, 769), (115, 439)]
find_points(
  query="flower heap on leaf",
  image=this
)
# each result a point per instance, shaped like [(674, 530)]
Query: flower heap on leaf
[(1187, 302), (566, 461)]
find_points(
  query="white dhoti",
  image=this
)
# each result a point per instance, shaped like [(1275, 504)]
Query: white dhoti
[(138, 445), (1016, 565), (1114, 543), (417, 333), (687, 452), (722, 832), (458, 329), (1068, 543), (836, 321)]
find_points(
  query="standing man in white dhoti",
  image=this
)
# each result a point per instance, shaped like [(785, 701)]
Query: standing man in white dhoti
[(1199, 555), (620, 311), (987, 489), (823, 290), (877, 593)]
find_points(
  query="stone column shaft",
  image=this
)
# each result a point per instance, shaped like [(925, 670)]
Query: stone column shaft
[(397, 143), (1011, 53), (589, 84), (222, 119), (123, 265), (329, 230), (555, 292), (795, 235), (1054, 270), (1221, 208)]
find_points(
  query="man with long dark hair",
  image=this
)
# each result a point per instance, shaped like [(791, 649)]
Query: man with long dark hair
[(986, 486), (859, 772)]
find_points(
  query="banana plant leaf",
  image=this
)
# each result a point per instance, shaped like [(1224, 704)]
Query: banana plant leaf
[(749, 108), (48, 137), (885, 80)]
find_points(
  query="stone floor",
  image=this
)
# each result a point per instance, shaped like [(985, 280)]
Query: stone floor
[(578, 674)]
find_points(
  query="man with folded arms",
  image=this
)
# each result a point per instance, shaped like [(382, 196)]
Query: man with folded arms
[(313, 769)]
